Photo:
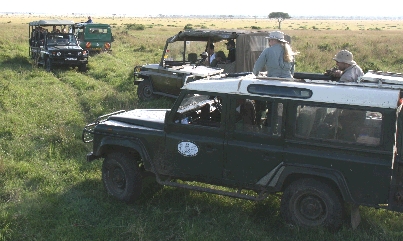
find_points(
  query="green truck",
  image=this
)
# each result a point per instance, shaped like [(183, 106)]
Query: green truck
[(51, 44), (94, 37), (320, 143)]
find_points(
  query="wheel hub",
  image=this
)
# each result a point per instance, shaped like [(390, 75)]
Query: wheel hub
[(312, 208), (118, 178)]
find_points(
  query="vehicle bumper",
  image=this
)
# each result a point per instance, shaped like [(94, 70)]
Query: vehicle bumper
[(69, 62), (91, 157)]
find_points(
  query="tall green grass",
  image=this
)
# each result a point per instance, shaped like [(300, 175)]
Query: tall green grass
[(49, 192)]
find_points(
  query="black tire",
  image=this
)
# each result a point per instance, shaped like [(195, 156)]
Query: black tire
[(121, 177), (82, 68), (310, 203), (145, 90), (48, 65)]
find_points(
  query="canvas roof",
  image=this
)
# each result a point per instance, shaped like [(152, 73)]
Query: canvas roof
[(51, 22), (202, 35)]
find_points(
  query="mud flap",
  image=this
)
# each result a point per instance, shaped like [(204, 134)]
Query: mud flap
[(355, 216)]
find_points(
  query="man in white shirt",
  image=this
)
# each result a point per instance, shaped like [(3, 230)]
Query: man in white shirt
[(348, 70)]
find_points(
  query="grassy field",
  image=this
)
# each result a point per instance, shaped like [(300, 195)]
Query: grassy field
[(49, 192)]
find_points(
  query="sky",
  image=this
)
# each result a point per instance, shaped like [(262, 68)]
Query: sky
[(385, 8)]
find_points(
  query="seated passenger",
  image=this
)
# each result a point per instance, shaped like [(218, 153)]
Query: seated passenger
[(219, 59), (246, 114)]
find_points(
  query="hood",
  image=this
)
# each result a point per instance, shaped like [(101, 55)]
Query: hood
[(188, 69), (151, 118)]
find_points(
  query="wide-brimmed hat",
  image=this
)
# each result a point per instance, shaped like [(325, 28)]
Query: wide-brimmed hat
[(277, 35), (344, 56)]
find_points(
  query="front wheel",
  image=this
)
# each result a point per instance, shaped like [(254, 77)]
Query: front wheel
[(145, 90), (121, 177), (82, 68), (48, 65), (310, 203)]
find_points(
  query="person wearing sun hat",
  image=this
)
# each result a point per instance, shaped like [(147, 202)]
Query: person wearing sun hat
[(278, 58), (348, 70)]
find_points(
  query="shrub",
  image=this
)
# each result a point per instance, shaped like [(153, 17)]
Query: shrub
[(188, 26), (135, 26)]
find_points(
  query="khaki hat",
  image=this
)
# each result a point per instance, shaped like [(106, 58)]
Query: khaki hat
[(277, 35), (344, 56)]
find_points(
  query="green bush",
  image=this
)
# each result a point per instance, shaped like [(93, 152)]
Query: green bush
[(188, 26), (135, 26)]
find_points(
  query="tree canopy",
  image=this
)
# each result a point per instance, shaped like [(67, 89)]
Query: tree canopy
[(280, 16)]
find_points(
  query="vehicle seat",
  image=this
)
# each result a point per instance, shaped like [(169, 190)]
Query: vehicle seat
[(228, 68), (192, 58)]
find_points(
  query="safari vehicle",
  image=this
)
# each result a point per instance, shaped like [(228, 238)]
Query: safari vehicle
[(314, 141), (181, 60), (94, 37), (51, 43)]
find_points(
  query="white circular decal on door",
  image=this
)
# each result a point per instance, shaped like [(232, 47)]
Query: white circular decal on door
[(187, 148)]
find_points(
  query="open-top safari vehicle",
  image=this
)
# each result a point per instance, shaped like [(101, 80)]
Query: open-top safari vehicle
[(52, 43), (182, 56)]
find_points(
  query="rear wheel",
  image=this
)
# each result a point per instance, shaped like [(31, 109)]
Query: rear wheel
[(121, 177), (310, 203), (145, 90)]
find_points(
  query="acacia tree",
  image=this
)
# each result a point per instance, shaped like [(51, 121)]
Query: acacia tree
[(280, 16)]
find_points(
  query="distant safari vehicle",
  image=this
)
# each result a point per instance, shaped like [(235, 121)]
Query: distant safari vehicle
[(51, 43), (94, 37)]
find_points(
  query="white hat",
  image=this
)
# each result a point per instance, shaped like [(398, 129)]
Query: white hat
[(344, 56), (277, 35)]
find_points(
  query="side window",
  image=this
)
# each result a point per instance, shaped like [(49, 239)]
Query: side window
[(354, 126), (258, 116), (200, 110)]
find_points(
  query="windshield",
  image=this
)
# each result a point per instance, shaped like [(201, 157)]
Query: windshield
[(193, 101), (61, 39), (175, 50)]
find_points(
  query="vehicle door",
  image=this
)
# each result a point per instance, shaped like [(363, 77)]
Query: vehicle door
[(255, 141), (195, 139), (351, 145), (396, 190)]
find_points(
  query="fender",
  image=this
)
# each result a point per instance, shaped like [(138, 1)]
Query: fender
[(107, 143), (284, 173)]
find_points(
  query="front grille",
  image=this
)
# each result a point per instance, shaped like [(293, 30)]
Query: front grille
[(70, 54)]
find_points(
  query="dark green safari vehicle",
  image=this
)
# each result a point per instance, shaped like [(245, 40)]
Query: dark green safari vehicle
[(51, 44), (182, 60), (321, 144), (94, 37)]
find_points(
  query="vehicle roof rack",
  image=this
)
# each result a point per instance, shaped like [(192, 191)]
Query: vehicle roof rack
[(380, 77), (374, 79)]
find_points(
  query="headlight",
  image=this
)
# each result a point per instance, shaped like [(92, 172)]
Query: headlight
[(79, 53), (58, 54)]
